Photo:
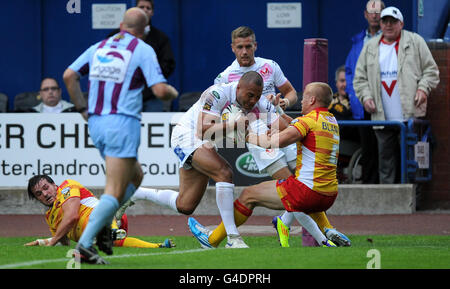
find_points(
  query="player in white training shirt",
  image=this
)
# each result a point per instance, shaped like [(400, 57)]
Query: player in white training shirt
[(273, 161)]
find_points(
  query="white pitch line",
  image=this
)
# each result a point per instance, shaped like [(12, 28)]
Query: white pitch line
[(39, 262)]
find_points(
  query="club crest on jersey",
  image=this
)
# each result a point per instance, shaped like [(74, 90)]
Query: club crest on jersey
[(265, 71), (65, 191)]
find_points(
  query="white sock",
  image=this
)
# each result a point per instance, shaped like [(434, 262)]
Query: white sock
[(287, 218), (165, 198), (224, 200), (308, 223)]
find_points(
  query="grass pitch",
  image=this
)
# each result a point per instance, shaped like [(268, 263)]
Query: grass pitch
[(377, 251)]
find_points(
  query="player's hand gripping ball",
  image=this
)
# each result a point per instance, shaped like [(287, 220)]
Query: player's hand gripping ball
[(236, 132)]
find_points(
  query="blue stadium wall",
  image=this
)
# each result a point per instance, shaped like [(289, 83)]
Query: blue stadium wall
[(40, 38)]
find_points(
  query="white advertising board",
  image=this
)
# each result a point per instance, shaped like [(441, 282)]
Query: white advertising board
[(107, 16), (59, 145)]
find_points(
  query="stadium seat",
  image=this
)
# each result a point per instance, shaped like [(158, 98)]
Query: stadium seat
[(167, 105), (23, 102), (187, 100), (3, 102)]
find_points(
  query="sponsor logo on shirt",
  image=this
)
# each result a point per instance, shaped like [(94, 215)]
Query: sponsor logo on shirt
[(110, 64)]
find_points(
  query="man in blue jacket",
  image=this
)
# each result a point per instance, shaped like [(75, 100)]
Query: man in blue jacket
[(367, 136)]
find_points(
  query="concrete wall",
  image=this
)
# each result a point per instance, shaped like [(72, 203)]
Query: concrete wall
[(352, 200)]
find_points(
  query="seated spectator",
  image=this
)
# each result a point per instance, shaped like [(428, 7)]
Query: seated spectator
[(51, 98), (340, 105)]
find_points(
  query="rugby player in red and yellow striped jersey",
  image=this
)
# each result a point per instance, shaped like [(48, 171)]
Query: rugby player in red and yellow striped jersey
[(70, 205)]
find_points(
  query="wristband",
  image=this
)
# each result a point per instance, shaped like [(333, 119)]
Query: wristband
[(43, 242), (288, 103), (279, 110)]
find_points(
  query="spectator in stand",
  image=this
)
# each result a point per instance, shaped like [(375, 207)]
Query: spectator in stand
[(394, 76), (160, 42), (52, 102), (366, 135), (340, 105)]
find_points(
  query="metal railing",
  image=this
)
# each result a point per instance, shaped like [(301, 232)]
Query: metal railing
[(408, 138)]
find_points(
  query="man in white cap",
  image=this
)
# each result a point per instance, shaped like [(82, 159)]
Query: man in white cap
[(394, 76)]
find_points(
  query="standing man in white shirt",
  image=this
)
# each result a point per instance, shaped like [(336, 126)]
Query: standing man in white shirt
[(394, 76)]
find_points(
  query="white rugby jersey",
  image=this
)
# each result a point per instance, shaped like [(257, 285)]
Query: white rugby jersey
[(216, 98), (268, 69)]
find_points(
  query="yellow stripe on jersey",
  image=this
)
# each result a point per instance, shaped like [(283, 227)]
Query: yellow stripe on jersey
[(318, 151), (71, 189)]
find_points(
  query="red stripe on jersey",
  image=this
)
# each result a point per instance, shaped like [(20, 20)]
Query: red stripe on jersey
[(63, 184), (310, 141), (85, 193)]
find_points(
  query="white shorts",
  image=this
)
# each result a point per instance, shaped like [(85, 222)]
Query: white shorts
[(184, 142), (265, 157)]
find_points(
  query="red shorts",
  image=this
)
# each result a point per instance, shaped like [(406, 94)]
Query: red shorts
[(124, 223), (297, 197)]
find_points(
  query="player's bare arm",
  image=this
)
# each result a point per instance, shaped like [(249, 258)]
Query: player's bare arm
[(283, 120), (278, 140), (164, 91), (290, 95), (69, 220), (72, 81)]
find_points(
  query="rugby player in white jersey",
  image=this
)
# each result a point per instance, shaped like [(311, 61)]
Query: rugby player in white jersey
[(194, 146), (279, 163)]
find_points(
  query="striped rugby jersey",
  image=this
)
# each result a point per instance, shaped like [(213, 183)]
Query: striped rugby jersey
[(67, 190), (118, 67), (317, 152)]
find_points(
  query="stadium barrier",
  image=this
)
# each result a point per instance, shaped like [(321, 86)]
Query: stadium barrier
[(353, 199), (412, 167)]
